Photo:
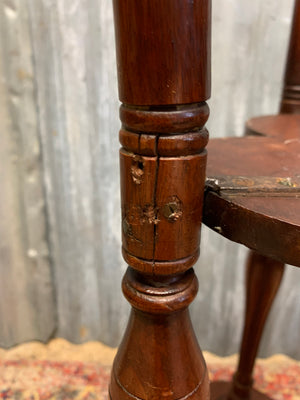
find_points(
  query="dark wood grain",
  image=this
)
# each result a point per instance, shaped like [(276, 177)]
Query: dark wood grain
[(163, 55), (262, 283), (160, 47), (282, 126), (291, 91), (268, 225), (159, 357), (263, 279), (162, 193)]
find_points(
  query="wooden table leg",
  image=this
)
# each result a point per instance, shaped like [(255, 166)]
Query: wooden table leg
[(263, 279), (163, 50), (290, 102)]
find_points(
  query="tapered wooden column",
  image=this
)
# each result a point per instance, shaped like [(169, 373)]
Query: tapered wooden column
[(163, 57), (291, 92), (263, 279)]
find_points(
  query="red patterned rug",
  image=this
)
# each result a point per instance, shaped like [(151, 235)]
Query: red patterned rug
[(62, 371)]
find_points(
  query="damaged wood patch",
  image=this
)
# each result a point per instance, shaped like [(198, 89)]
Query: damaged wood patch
[(137, 169), (136, 216), (150, 214), (172, 211), (254, 186)]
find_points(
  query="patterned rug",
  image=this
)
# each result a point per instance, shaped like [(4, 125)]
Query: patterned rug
[(63, 371)]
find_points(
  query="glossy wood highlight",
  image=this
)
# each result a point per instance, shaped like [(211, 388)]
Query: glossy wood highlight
[(291, 92), (159, 51), (163, 67)]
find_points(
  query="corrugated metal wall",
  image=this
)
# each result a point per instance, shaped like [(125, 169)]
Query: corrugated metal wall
[(60, 259)]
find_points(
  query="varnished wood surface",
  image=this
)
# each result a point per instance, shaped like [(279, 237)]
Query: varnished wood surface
[(159, 356), (152, 42), (270, 225), (75, 104), (264, 273), (162, 183), (263, 279), (282, 126), (162, 163)]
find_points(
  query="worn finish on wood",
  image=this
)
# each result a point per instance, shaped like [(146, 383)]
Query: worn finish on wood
[(27, 309), (151, 209), (75, 106), (255, 186), (229, 214), (259, 98), (264, 274), (76, 88), (162, 186)]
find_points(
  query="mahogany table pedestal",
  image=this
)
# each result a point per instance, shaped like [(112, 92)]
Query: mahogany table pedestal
[(163, 58), (263, 279)]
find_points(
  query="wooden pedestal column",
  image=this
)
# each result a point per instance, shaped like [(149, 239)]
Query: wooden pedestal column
[(290, 103), (163, 57), (263, 279)]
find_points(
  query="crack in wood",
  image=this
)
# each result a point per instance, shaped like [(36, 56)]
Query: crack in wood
[(155, 233)]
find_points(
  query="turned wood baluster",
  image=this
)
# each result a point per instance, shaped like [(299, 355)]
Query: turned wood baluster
[(163, 58), (291, 92), (263, 279)]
